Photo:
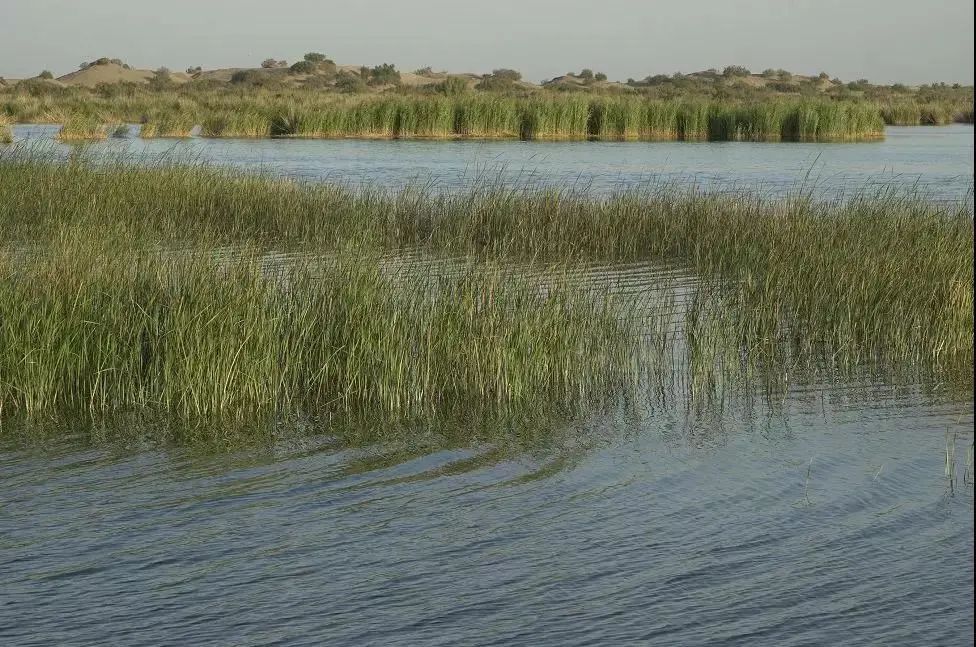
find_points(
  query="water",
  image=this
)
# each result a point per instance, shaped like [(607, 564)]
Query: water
[(936, 162), (823, 518), (819, 515)]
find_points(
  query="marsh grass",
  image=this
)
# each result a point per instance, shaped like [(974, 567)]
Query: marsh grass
[(909, 112), (247, 124), (6, 132), (783, 283), (95, 324), (484, 116), (81, 128), (171, 124)]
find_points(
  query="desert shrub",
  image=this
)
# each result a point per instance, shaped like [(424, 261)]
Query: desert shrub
[(350, 83), (317, 82), (116, 90), (586, 74), (384, 74), (162, 79), (315, 58), (453, 86), (424, 71), (245, 76), (600, 76), (46, 74), (303, 67), (735, 71), (37, 88), (501, 79)]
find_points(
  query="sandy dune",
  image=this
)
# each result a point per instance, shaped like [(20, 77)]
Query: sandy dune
[(113, 73)]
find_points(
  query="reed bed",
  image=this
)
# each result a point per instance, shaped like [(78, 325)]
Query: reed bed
[(80, 128), (176, 125), (196, 293), (568, 118), (925, 113), (872, 277), (99, 324), (6, 134), (483, 116), (238, 124)]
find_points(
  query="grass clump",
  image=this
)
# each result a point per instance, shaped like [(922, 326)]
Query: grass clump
[(6, 133), (168, 124), (99, 324), (78, 127)]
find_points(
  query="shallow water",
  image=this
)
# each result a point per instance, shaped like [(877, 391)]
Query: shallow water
[(821, 518), (936, 162), (819, 515)]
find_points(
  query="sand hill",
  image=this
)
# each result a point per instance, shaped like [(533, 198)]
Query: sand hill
[(113, 73)]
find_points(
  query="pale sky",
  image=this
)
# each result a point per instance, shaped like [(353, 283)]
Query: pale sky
[(883, 40)]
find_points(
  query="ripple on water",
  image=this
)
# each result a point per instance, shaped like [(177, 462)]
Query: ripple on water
[(826, 520)]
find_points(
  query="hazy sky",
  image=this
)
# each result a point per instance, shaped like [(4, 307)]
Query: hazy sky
[(883, 40)]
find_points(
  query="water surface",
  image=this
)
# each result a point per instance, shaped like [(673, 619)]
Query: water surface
[(936, 162), (824, 517), (818, 513)]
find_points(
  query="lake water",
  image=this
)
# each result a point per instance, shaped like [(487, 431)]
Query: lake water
[(821, 519), (823, 514), (936, 162)]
